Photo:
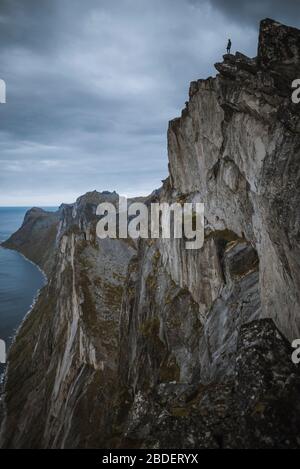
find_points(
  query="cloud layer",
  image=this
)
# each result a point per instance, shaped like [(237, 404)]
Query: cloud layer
[(91, 86)]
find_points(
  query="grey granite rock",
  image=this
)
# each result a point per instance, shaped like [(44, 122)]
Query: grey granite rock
[(147, 344)]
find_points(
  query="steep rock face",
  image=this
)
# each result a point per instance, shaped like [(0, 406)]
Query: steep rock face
[(65, 357), (257, 407), (149, 344), (237, 147)]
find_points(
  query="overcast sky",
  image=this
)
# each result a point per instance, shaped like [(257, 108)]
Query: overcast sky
[(91, 86)]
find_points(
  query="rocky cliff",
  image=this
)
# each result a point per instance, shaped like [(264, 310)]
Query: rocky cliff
[(151, 345)]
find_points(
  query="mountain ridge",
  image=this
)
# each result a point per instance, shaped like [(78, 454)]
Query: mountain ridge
[(145, 344)]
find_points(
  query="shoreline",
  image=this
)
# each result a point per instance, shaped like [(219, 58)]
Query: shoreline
[(37, 294), (16, 331)]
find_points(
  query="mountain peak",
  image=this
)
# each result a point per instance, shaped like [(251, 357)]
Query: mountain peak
[(278, 45)]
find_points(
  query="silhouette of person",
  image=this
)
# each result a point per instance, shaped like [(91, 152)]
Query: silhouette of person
[(228, 46)]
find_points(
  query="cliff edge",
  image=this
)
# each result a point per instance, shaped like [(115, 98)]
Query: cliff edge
[(147, 344)]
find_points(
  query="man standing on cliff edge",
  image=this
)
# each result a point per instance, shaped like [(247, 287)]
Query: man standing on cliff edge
[(228, 46)]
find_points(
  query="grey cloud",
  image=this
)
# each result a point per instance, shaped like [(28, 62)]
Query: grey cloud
[(251, 12), (91, 86)]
